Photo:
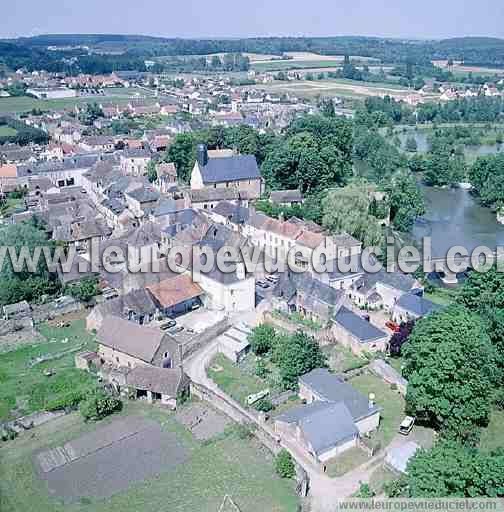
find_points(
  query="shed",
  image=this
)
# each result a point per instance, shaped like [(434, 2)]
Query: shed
[(234, 343)]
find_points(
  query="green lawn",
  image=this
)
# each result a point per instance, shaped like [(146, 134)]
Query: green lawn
[(342, 359), (233, 381), (227, 465), (7, 131), (287, 65), (10, 205), (25, 103), (391, 401), (27, 388), (442, 296), (380, 477), (347, 461), (493, 436)]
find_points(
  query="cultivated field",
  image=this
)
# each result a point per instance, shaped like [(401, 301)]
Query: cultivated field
[(7, 131), (161, 467), (459, 69), (25, 104), (338, 87)]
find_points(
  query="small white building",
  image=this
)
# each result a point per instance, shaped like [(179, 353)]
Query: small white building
[(234, 343)]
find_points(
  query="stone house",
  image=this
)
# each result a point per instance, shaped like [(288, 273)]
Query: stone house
[(335, 416), (236, 171)]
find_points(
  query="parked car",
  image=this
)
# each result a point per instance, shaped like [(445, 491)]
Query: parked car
[(272, 279), (170, 324), (407, 425), (392, 326), (176, 329), (262, 284)]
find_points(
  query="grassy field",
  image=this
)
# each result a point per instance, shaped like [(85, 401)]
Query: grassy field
[(25, 388), (25, 104), (335, 87), (391, 402), (342, 359), (347, 461), (442, 296), (225, 465), (287, 65), (7, 131), (233, 381), (10, 205), (493, 436)]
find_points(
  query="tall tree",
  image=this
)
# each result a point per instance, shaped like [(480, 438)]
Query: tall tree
[(451, 368)]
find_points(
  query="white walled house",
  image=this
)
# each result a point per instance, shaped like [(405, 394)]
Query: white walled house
[(235, 171), (335, 416)]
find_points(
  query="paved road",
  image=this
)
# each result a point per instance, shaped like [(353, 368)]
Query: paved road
[(324, 491)]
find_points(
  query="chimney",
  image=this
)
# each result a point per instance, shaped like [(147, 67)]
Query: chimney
[(202, 155), (371, 400)]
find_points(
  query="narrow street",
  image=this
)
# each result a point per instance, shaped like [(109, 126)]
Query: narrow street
[(324, 491)]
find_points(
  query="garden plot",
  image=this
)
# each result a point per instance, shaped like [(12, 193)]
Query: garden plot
[(110, 459), (203, 421)]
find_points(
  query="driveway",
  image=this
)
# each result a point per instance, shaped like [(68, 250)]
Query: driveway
[(324, 491)]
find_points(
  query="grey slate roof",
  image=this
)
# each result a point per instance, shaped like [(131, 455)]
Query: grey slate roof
[(333, 389), (132, 339), (234, 213), (233, 168), (285, 196), (416, 305), (329, 427), (360, 328), (157, 380)]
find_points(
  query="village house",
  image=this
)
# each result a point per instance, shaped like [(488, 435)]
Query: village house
[(136, 306), (142, 353), (334, 418), (286, 197), (236, 171), (134, 161), (176, 295), (357, 333), (412, 307), (208, 198)]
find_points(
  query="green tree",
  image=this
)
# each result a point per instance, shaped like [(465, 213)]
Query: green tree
[(262, 339), (405, 199), (98, 404), (347, 210), (483, 293), (365, 491), (284, 464), (411, 145), (152, 175), (182, 152), (451, 369), (296, 355), (449, 470), (85, 289), (22, 282)]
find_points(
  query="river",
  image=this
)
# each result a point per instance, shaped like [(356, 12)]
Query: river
[(454, 217)]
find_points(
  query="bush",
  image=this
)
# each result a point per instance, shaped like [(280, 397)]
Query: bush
[(365, 491), (261, 369), (98, 405), (262, 338), (284, 464), (244, 430), (264, 405)]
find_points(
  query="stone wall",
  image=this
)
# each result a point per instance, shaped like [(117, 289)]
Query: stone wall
[(204, 338)]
